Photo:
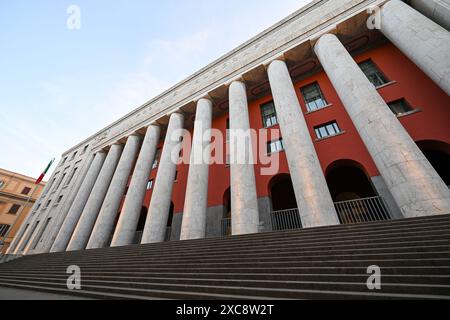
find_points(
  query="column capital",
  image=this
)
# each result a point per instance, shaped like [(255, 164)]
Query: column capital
[(331, 30), (280, 57), (205, 96), (235, 79)]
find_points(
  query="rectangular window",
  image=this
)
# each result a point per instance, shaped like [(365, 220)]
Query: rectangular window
[(373, 73), (64, 161), (327, 130), (69, 180), (275, 146), (4, 229), (41, 233), (269, 115), (14, 209), (313, 96), (157, 156), (38, 206), (26, 191), (85, 149), (59, 199), (400, 107), (48, 204), (25, 243), (150, 185), (59, 182), (176, 176), (74, 155)]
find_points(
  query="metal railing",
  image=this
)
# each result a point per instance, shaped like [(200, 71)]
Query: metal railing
[(168, 234), (362, 210), (226, 227), (286, 220), (3, 230)]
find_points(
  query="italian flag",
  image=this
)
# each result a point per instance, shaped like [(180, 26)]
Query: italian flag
[(41, 177)]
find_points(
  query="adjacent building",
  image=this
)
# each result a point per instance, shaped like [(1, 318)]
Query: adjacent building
[(348, 98), (18, 193)]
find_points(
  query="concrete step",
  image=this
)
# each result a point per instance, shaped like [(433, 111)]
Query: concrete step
[(321, 263), (411, 237), (421, 279), (329, 257), (267, 238), (204, 292)]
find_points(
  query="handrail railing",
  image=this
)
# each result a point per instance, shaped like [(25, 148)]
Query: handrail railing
[(168, 235), (286, 220), (226, 227), (362, 210)]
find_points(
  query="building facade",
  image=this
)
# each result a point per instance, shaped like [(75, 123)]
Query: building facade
[(18, 193), (345, 106)]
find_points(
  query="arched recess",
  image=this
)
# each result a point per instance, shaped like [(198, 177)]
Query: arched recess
[(169, 223), (438, 153), (226, 217), (285, 214), (348, 180), (356, 200), (281, 192)]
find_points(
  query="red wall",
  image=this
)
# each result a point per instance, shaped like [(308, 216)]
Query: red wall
[(410, 83)]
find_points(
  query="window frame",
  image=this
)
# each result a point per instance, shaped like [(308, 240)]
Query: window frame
[(382, 79), (308, 103), (279, 146), (14, 212), (324, 128), (271, 119), (404, 104)]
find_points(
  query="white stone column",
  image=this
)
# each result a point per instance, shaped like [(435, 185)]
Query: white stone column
[(129, 218), (436, 10), (86, 222), (244, 200), (158, 213), (71, 220), (110, 208), (412, 181), (64, 210), (425, 42), (195, 204), (314, 201)]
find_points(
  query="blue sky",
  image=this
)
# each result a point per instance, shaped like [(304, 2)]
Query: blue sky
[(59, 86)]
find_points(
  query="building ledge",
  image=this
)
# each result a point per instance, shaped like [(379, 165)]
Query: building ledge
[(390, 83), (332, 136), (317, 110), (401, 115)]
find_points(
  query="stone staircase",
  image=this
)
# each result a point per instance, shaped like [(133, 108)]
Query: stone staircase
[(320, 263)]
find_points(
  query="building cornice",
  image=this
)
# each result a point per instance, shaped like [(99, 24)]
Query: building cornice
[(301, 26)]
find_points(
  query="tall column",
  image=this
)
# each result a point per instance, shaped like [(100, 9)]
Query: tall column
[(23, 236), (86, 222), (314, 201), (425, 42), (244, 201), (71, 220), (158, 212), (64, 210), (414, 184), (436, 10), (129, 218), (195, 204), (108, 213)]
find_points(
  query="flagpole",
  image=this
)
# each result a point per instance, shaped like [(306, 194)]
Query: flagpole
[(2, 241)]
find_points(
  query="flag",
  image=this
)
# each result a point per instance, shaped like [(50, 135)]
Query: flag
[(41, 177)]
